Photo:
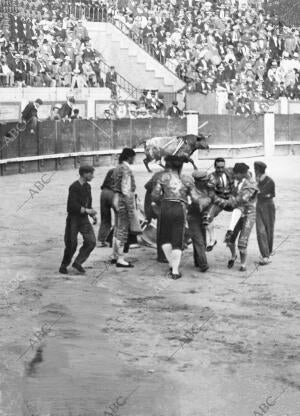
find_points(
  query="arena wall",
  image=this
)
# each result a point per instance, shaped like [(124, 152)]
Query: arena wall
[(91, 102), (64, 145)]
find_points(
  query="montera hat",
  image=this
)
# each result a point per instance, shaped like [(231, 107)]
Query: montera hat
[(240, 168), (200, 175), (261, 166)]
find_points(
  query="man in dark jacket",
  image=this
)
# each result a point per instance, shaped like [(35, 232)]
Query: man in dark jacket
[(30, 114), (67, 108), (106, 205), (265, 213), (79, 208), (196, 220), (111, 81), (174, 111)]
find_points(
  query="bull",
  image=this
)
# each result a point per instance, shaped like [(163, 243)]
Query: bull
[(158, 148)]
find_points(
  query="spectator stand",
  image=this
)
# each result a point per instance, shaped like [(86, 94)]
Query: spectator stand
[(231, 45)]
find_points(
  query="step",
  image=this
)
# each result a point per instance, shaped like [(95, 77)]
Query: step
[(142, 57), (118, 48)]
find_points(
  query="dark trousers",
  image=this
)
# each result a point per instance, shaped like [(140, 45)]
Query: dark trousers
[(105, 211), (265, 221), (149, 214), (32, 123), (160, 253), (197, 233), (78, 224), (132, 239)]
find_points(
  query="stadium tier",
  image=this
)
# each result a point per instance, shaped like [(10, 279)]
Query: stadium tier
[(231, 46)]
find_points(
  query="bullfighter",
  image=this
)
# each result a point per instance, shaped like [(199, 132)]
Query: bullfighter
[(244, 197)]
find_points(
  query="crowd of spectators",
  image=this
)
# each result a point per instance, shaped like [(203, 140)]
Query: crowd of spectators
[(151, 104), (221, 45), (217, 45), (51, 51)]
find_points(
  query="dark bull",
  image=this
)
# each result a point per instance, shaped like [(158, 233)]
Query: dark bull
[(158, 148)]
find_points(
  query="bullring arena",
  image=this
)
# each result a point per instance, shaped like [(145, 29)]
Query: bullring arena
[(132, 341)]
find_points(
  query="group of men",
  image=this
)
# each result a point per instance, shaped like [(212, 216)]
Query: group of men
[(184, 206), (65, 111), (230, 189)]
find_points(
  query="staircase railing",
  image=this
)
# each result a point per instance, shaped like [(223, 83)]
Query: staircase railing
[(122, 82), (100, 14), (139, 40), (9, 6)]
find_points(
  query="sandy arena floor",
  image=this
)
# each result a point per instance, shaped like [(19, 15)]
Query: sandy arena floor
[(133, 343)]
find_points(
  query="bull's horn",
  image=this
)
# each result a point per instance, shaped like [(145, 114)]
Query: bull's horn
[(203, 125)]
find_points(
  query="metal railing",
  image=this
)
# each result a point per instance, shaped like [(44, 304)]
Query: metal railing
[(122, 82), (9, 6), (143, 43), (92, 13), (100, 14)]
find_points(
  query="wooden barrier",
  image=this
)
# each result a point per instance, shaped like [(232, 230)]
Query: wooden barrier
[(64, 145)]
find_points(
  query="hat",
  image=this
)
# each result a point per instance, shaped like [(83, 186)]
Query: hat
[(240, 168), (39, 101), (260, 166), (200, 175), (72, 100)]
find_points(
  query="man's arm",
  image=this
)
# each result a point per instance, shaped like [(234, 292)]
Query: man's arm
[(243, 197), (126, 191), (156, 192)]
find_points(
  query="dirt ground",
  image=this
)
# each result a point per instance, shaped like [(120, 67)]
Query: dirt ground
[(133, 343)]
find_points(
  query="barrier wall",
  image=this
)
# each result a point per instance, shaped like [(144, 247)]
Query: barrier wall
[(287, 134), (64, 145), (91, 102), (59, 145)]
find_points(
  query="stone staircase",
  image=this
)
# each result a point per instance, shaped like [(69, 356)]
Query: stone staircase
[(131, 61)]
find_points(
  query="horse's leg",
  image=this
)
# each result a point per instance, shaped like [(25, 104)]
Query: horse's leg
[(193, 163), (161, 164), (146, 163)]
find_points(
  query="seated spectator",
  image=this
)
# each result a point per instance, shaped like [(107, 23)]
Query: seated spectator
[(79, 79), (242, 108), (95, 64), (6, 74), (230, 105), (174, 111), (66, 109), (111, 81), (80, 32), (55, 113), (75, 115), (89, 74)]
